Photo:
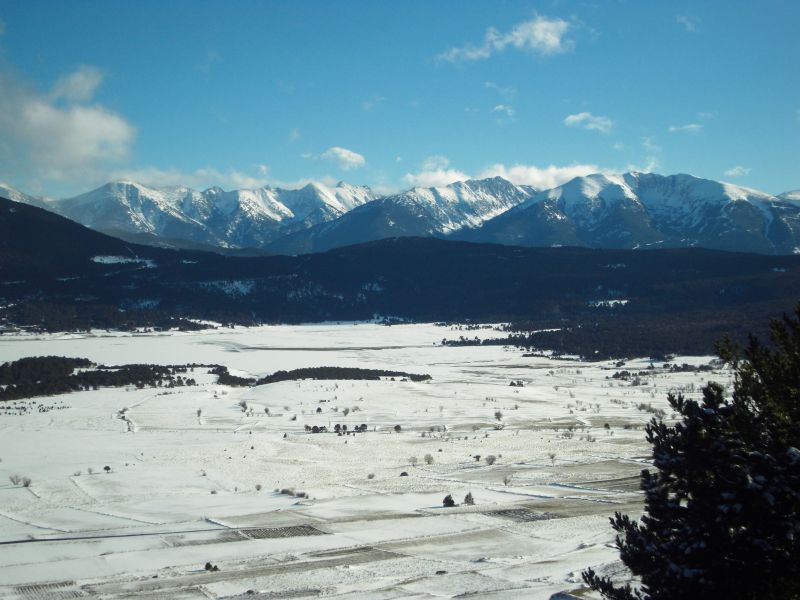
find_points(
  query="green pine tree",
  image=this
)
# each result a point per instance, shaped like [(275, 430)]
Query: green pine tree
[(722, 505)]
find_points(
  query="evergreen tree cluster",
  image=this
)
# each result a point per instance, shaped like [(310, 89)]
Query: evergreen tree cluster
[(51, 317), (347, 373), (50, 375), (722, 503), (613, 334)]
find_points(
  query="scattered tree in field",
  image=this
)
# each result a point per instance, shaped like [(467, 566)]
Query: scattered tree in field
[(490, 460), (413, 461), (722, 506), (429, 459), (498, 415), (397, 429), (26, 482), (468, 499), (15, 479), (448, 501), (107, 469), (552, 456)]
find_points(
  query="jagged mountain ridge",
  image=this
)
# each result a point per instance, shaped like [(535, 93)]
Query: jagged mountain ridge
[(213, 217), (631, 210), (638, 210), (792, 195), (424, 212)]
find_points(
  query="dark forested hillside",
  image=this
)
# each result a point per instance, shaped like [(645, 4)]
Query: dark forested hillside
[(55, 274)]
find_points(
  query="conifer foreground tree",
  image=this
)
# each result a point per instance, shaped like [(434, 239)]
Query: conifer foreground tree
[(722, 505)]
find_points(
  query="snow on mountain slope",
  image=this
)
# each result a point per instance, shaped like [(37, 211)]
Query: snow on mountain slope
[(631, 210), (644, 210), (792, 195), (6, 191), (236, 218), (434, 211)]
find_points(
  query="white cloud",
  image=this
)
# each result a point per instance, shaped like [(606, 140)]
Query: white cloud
[(690, 24), (198, 179), (60, 135), (79, 86), (504, 109), (540, 35), (435, 178), (435, 172), (652, 160), (618, 146), (435, 162), (651, 164), (649, 144), (539, 177), (201, 179), (589, 121), (693, 128), (294, 135), (738, 171), (345, 159), (507, 92)]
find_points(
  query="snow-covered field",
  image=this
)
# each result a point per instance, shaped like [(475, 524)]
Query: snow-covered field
[(184, 489)]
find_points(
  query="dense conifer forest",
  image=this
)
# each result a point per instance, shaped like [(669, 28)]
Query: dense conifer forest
[(604, 303), (52, 375)]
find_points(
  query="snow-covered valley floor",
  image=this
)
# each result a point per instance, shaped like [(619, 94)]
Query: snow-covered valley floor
[(185, 488)]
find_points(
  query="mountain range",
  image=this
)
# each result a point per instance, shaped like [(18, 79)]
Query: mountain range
[(631, 210), (56, 274)]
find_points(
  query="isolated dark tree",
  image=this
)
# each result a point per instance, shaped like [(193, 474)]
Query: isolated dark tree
[(722, 506), (448, 501)]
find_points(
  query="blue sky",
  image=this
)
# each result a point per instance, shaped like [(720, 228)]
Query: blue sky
[(394, 94)]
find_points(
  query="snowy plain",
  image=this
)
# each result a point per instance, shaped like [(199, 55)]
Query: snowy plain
[(195, 478)]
